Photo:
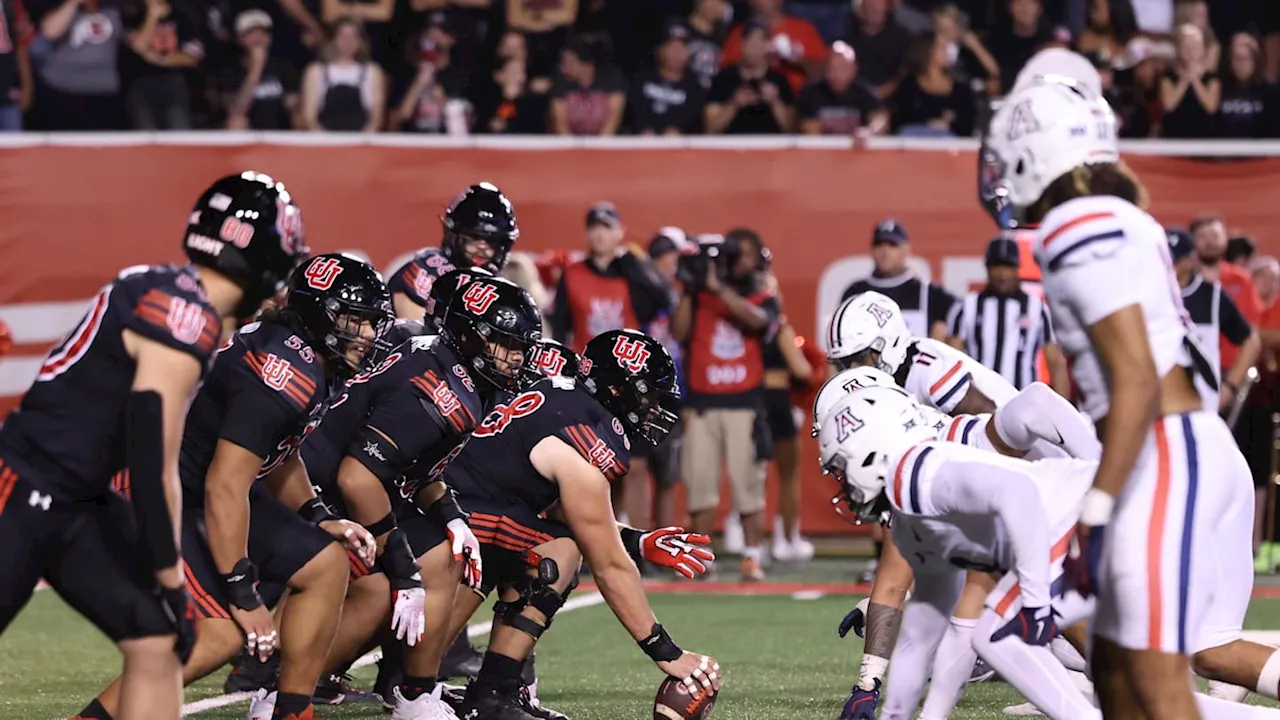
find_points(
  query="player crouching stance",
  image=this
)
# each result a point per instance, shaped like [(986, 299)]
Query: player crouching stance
[(552, 451), (269, 388)]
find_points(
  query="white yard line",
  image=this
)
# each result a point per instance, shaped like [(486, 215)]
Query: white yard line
[(473, 631)]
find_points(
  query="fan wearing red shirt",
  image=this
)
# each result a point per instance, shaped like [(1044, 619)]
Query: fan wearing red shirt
[(798, 51)]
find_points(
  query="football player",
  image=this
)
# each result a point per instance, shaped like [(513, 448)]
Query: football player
[(268, 389), (1152, 541), (957, 508), (375, 450), (868, 331), (535, 479), (479, 231), (114, 395)]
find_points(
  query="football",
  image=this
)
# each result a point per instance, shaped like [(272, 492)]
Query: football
[(675, 702)]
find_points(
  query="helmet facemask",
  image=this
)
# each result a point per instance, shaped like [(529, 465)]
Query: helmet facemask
[(358, 335), (854, 502), (497, 356), (647, 412)]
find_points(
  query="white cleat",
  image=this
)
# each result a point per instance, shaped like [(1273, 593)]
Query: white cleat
[(426, 707), (1023, 710), (263, 705)]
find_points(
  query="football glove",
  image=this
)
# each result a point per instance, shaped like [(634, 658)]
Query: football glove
[(861, 704), (1032, 625), (676, 548), (466, 550)]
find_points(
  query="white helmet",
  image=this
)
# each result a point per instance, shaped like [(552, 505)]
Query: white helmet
[(843, 383), (1061, 62), (868, 321), (1040, 133), (859, 435)]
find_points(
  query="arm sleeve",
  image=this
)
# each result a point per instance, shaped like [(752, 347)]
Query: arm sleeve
[(973, 487), (924, 623), (561, 320), (1231, 322), (940, 302)]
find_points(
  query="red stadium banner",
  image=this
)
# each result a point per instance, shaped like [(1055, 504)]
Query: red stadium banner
[(73, 216)]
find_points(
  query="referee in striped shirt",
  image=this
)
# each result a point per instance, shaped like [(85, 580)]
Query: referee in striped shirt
[(1005, 328)]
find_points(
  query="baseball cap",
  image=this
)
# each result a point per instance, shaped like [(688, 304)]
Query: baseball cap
[(667, 240), (1180, 243), (252, 20), (675, 30), (604, 213), (1003, 252), (889, 230)]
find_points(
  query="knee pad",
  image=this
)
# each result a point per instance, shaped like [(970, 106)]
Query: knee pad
[(533, 592)]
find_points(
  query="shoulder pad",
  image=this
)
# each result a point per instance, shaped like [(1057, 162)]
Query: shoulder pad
[(167, 304), (283, 362)]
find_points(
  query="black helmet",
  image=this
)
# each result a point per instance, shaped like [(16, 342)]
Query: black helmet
[(330, 298), (552, 359), (442, 291), (248, 228), (633, 377), (492, 310), (480, 212)]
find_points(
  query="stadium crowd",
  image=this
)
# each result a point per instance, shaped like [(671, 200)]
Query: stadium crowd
[(604, 67)]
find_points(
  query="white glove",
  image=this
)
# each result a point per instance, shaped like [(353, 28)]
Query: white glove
[(466, 550), (408, 618)]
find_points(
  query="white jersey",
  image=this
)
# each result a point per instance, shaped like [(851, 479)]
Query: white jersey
[(1101, 255), (938, 376), (959, 507)]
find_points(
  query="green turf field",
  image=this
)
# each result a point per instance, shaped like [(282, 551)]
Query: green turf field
[(782, 660)]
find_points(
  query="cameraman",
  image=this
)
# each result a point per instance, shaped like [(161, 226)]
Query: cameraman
[(724, 318)]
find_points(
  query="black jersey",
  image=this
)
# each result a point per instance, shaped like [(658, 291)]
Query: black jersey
[(416, 277), (494, 468), (67, 436), (267, 391), (398, 420)]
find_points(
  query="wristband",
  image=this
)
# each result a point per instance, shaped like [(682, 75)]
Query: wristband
[(1096, 508), (315, 511), (397, 559), (659, 646), (242, 584), (631, 541)]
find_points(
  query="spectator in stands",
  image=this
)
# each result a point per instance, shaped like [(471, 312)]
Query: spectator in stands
[(930, 101), (880, 45), (506, 106), (545, 27), (471, 25), (1245, 97), (668, 100), (1190, 93), (75, 55), (17, 87), (423, 104), (750, 97), (839, 104), (373, 17), (162, 46), (724, 318), (1013, 45), (707, 30), (924, 305), (1196, 12), (260, 91), (590, 95), (344, 90), (1109, 28), (1139, 88), (968, 57), (795, 49)]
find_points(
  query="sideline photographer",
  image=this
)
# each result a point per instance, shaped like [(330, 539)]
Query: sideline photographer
[(725, 316)]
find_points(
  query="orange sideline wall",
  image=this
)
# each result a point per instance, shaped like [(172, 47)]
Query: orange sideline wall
[(71, 217)]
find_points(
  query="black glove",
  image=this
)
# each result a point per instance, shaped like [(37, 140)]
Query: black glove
[(176, 604)]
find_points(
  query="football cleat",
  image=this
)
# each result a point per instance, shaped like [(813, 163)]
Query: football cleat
[(428, 706), (461, 660), (337, 689), (494, 703), (250, 674)]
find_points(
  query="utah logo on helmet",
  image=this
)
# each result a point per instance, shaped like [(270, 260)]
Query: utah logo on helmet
[(631, 353)]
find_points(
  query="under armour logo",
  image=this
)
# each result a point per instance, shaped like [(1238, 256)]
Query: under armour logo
[(372, 449), (40, 500)]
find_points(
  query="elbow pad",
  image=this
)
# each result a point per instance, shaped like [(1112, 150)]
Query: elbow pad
[(144, 453)]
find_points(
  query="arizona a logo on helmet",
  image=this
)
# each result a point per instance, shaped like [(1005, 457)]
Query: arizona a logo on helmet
[(847, 424)]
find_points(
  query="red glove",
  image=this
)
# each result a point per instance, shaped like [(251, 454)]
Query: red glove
[(677, 548), (6, 339)]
